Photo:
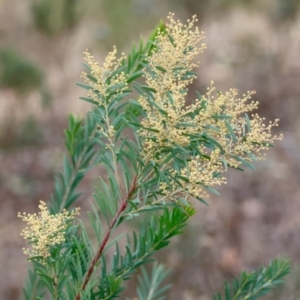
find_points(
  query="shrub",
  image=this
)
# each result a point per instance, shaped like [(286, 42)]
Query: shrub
[(18, 73), (160, 154)]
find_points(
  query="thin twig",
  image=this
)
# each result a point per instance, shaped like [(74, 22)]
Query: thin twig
[(107, 235)]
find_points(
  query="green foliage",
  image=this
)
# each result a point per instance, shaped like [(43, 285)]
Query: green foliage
[(81, 154), (136, 57), (33, 289), (251, 286), (53, 17), (287, 11), (30, 132), (149, 286), (139, 249), (27, 133), (136, 182), (18, 73)]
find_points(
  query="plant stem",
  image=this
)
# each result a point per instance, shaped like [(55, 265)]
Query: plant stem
[(121, 209)]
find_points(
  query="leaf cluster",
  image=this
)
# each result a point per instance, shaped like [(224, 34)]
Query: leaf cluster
[(251, 286)]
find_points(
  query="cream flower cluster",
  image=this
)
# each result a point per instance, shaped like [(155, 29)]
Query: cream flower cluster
[(102, 79), (169, 73), (216, 118), (221, 110), (220, 117), (45, 230), (170, 69)]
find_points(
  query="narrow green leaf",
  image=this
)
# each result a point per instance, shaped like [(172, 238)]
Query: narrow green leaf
[(248, 122), (212, 190), (231, 132), (222, 117), (85, 86), (161, 69), (134, 76), (87, 66), (243, 161)]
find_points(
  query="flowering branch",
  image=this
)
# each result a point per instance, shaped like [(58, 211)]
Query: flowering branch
[(180, 152)]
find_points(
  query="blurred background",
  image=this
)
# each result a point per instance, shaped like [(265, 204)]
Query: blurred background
[(252, 45)]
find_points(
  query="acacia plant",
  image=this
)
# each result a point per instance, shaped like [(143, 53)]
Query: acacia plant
[(158, 155)]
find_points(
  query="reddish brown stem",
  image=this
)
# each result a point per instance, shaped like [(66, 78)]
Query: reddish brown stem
[(107, 235)]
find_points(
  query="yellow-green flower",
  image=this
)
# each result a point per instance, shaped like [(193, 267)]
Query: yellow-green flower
[(44, 230)]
